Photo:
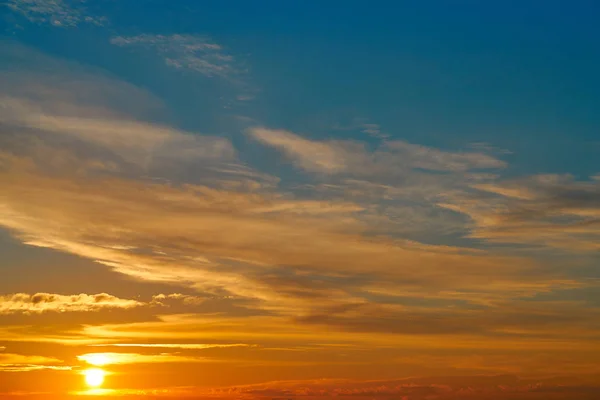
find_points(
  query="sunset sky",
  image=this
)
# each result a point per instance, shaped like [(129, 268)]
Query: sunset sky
[(302, 199)]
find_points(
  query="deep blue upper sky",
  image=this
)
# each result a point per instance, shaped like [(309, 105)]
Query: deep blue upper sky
[(521, 76)]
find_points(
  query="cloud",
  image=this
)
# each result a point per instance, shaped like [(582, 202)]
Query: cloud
[(23, 359), (22, 363), (394, 156), (32, 367), (543, 210), (185, 52), (59, 13), (229, 233), (493, 387), (162, 299), (312, 156), (186, 346), (502, 319), (100, 359), (47, 302), (373, 130), (502, 328), (398, 184), (107, 140), (23, 303), (90, 174), (216, 240)]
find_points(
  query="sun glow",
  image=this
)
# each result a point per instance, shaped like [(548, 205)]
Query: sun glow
[(94, 377), (97, 359)]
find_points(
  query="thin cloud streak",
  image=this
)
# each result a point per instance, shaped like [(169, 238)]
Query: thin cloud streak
[(135, 358), (187, 346), (25, 363)]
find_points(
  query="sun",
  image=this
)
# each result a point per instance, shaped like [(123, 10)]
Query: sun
[(94, 377)]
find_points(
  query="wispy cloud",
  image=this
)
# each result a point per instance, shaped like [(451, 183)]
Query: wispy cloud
[(399, 183), (124, 141), (344, 156), (59, 13), (544, 210), (186, 52)]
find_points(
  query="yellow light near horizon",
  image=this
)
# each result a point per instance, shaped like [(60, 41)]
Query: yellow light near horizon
[(94, 377)]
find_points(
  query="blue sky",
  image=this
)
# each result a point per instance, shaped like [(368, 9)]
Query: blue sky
[(522, 78), (233, 181)]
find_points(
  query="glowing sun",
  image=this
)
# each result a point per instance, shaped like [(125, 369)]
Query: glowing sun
[(94, 376)]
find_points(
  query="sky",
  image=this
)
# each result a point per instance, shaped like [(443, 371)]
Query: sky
[(278, 200)]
